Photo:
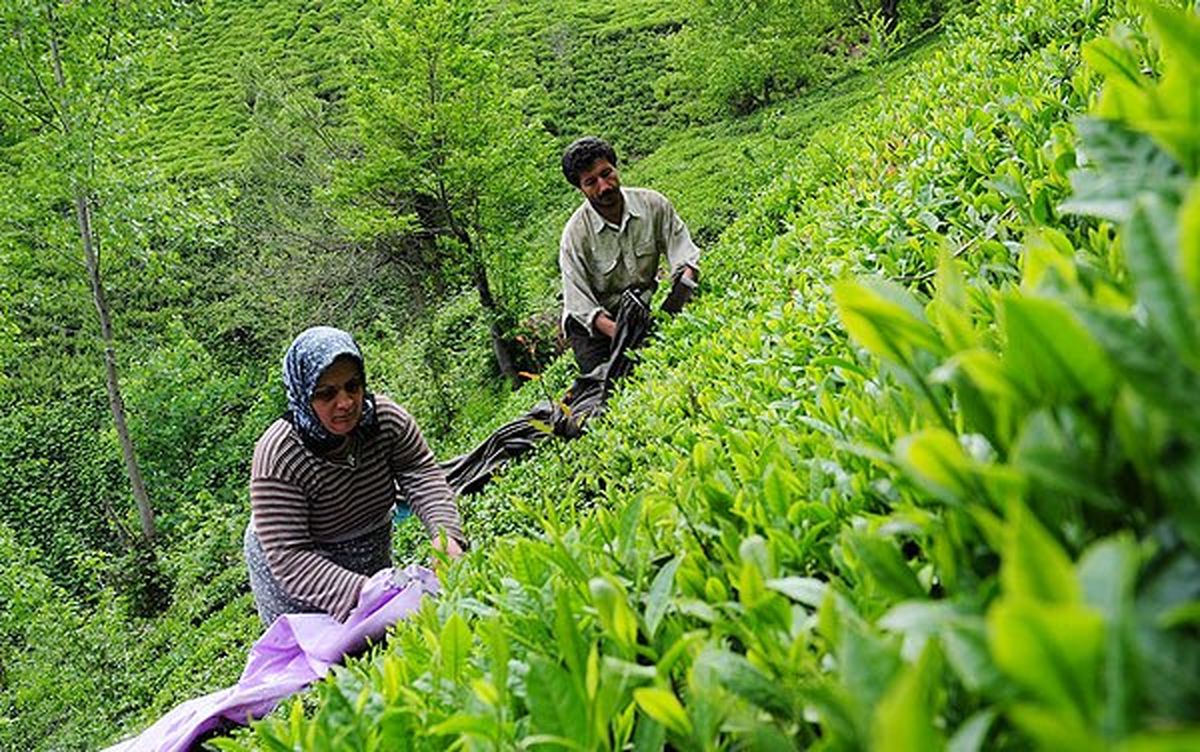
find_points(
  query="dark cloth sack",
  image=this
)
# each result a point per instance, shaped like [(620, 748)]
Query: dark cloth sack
[(564, 418)]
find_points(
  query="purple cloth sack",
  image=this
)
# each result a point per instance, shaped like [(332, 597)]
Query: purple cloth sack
[(295, 651)]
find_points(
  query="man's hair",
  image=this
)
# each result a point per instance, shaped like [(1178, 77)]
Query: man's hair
[(582, 153)]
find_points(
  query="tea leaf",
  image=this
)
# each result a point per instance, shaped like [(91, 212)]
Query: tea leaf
[(1034, 566), (455, 645), (1127, 165), (904, 717), (740, 677), (662, 706), (555, 704), (1050, 350), (1110, 59), (935, 458), (882, 561), (806, 590), (971, 735), (659, 595), (885, 319), (1189, 237), (1052, 650), (1150, 243)]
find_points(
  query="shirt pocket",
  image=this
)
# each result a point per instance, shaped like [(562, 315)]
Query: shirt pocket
[(645, 248), (605, 258), (645, 262)]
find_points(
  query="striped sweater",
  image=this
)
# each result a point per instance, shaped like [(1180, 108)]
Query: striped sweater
[(299, 500)]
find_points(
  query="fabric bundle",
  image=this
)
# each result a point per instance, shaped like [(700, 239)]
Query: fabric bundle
[(297, 650), (565, 418)]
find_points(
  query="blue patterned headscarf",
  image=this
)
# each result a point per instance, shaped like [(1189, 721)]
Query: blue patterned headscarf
[(313, 351)]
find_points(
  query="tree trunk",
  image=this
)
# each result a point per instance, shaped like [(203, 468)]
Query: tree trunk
[(115, 402), (83, 218), (501, 348), (891, 14)]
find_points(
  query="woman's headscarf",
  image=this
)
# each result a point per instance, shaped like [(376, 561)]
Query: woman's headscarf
[(313, 351)]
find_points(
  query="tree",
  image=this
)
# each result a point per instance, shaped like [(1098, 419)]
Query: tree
[(291, 263), (448, 157), (63, 90), (735, 56)]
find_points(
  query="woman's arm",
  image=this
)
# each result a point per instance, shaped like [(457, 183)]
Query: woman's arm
[(423, 482)]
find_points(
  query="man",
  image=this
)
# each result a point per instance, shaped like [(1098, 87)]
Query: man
[(612, 243)]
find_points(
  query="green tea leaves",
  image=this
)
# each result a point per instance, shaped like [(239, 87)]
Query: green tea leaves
[(1151, 244), (659, 595), (885, 319), (1035, 567), (904, 719), (1048, 350), (1124, 164)]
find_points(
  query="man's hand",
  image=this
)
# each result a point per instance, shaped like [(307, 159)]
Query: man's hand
[(681, 291), (604, 324)]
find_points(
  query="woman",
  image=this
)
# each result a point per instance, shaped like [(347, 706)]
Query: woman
[(324, 479)]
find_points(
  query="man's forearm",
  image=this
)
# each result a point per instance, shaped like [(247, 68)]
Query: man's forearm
[(604, 324)]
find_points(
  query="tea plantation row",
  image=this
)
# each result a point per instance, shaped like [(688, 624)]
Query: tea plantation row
[(919, 470)]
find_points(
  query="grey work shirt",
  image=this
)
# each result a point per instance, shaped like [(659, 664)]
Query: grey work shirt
[(600, 260)]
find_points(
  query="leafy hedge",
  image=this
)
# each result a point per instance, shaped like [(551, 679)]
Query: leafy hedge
[(971, 523)]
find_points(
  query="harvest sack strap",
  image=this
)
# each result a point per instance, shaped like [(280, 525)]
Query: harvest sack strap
[(565, 418), (295, 651)]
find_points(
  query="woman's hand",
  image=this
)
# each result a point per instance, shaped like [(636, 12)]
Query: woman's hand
[(447, 546)]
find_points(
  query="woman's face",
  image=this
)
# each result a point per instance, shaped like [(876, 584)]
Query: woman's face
[(338, 397)]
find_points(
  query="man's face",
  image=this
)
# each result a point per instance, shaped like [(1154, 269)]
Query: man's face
[(601, 184)]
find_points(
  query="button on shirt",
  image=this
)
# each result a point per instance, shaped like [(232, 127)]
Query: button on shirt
[(600, 260)]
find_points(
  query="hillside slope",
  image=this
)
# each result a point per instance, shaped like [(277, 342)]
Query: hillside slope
[(971, 523)]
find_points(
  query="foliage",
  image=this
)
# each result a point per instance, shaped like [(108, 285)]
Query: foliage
[(941, 532), (930, 408), (601, 65), (449, 162), (200, 104), (735, 57)]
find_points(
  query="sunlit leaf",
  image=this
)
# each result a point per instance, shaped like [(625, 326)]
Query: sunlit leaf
[(659, 595), (1110, 59), (885, 319), (1034, 566), (662, 705), (455, 645), (1047, 347), (904, 718), (936, 459), (1053, 650)]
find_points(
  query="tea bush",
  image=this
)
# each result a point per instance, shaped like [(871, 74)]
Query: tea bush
[(917, 470)]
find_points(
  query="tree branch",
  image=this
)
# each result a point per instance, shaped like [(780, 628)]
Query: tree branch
[(27, 109), (37, 79)]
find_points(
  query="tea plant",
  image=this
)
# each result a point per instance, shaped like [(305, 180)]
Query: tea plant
[(917, 470)]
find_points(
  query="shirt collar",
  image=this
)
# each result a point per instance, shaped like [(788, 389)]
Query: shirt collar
[(631, 209)]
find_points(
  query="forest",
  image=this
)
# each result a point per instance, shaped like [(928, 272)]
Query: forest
[(917, 469)]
